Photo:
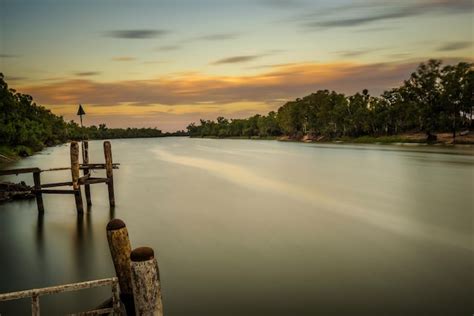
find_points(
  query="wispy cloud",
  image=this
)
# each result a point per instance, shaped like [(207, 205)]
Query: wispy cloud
[(452, 46), (218, 36), (283, 4), (364, 13), (87, 73), (236, 59), (123, 58), (135, 34), (15, 78), (168, 48), (9, 56)]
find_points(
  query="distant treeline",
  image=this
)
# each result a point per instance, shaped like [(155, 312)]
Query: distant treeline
[(434, 99), (26, 127)]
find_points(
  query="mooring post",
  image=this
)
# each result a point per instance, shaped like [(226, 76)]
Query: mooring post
[(75, 176), (120, 249), (35, 307), (146, 282), (109, 171), (38, 194), (85, 162)]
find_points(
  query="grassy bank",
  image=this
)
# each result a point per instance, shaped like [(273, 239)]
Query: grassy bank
[(11, 153), (412, 138)]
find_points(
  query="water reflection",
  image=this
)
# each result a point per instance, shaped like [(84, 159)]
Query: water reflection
[(39, 238), (228, 218)]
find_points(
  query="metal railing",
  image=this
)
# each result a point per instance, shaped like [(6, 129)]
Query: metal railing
[(36, 293)]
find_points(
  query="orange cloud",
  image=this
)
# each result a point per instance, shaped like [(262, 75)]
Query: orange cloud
[(280, 82), (175, 99)]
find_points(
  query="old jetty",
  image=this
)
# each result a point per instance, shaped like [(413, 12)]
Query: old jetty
[(76, 180), (136, 288)]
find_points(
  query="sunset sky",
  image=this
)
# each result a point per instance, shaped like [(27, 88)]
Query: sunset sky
[(168, 63)]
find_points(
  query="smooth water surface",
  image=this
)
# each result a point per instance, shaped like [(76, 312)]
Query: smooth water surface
[(245, 227)]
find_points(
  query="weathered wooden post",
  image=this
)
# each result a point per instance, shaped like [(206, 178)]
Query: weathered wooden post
[(146, 282), (109, 171), (85, 162), (38, 194), (120, 249), (35, 307), (75, 176)]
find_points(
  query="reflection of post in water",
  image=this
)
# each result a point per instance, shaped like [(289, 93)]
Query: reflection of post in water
[(39, 238), (82, 243)]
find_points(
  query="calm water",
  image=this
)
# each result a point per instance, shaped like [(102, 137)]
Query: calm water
[(259, 228)]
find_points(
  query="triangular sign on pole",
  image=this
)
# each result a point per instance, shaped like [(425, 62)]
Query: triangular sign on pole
[(80, 111)]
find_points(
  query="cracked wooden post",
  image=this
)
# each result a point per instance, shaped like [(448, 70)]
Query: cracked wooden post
[(109, 172), (75, 176), (146, 282), (85, 162), (38, 194), (120, 249)]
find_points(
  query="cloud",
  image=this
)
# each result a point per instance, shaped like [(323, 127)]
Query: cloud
[(236, 59), (352, 53), (87, 73), (363, 13), (452, 46), (357, 53), (9, 56), (15, 78), (168, 48), (280, 82), (135, 34), (283, 4), (218, 36), (123, 58)]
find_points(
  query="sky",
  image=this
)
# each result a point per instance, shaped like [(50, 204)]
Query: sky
[(168, 63)]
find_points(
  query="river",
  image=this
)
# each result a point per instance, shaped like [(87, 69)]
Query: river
[(247, 227)]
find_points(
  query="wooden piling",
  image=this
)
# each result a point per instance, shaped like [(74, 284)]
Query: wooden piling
[(120, 249), (146, 282), (109, 171), (35, 307), (38, 193), (75, 176), (85, 162)]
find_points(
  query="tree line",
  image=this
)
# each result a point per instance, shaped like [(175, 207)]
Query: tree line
[(26, 127), (435, 98)]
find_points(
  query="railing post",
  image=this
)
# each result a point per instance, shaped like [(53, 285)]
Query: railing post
[(35, 307), (115, 299), (85, 162), (75, 176), (120, 249), (146, 282), (38, 194), (109, 171)]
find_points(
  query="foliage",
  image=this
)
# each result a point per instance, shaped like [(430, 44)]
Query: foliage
[(26, 127), (433, 99)]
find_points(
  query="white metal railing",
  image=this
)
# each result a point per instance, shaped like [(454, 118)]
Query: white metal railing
[(36, 293)]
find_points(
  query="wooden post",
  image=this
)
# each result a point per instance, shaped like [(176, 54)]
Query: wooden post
[(120, 249), (116, 300), (75, 176), (38, 194), (109, 172), (35, 307), (85, 161), (146, 282)]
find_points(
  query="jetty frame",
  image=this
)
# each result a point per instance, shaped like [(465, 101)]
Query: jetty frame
[(76, 180), (36, 293)]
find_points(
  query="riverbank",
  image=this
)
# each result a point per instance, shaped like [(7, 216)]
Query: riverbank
[(466, 138)]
